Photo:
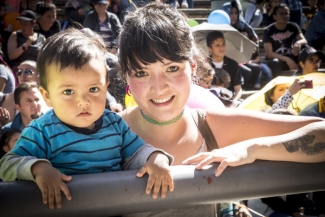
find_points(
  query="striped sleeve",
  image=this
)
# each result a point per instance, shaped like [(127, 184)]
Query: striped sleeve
[(131, 142), (33, 142)]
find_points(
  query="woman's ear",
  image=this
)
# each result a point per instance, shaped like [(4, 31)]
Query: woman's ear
[(301, 64), (6, 148)]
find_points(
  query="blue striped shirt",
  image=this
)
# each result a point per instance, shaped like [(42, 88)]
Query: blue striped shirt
[(77, 150)]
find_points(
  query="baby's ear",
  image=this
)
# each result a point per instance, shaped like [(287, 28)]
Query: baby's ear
[(46, 96)]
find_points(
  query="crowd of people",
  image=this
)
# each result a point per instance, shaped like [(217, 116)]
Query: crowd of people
[(140, 61)]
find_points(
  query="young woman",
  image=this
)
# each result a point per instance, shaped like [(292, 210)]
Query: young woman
[(309, 60), (157, 56)]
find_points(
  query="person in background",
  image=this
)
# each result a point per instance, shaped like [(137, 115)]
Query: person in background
[(309, 60), (315, 32), (75, 10), (309, 13), (24, 44), (7, 81), (8, 141), (26, 73), (105, 23), (316, 109), (28, 103), (217, 47), (254, 13), (46, 23), (295, 11), (281, 95), (205, 78), (282, 41), (268, 18)]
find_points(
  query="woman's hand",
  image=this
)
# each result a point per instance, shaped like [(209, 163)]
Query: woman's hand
[(295, 87), (233, 155), (158, 169)]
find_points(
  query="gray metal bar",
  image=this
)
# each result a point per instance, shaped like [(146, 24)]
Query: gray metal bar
[(117, 193)]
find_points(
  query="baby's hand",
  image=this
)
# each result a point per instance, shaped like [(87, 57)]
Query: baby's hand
[(50, 182), (158, 169)]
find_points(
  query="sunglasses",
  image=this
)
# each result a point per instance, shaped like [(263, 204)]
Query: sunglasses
[(27, 72)]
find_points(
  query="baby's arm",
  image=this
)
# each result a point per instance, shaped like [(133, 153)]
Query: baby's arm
[(156, 163)]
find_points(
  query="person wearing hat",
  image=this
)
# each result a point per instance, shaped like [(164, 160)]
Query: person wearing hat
[(309, 59), (105, 23), (24, 44)]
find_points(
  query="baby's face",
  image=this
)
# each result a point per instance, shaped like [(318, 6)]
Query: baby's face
[(78, 96)]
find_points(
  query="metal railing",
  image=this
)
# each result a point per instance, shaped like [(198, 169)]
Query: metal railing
[(117, 193)]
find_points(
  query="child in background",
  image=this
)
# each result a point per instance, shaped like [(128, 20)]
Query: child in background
[(8, 141), (79, 136), (268, 19)]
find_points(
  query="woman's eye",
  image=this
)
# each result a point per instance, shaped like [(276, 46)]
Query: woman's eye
[(140, 74), (173, 69), (94, 89), (68, 92)]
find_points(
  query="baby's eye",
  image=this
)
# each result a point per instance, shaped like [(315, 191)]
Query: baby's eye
[(68, 92), (140, 74), (173, 69), (94, 89)]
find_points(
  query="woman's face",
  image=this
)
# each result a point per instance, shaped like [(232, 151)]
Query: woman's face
[(25, 76), (233, 16), (311, 64), (279, 90), (26, 27), (161, 89), (49, 17)]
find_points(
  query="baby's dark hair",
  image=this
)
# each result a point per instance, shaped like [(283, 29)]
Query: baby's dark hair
[(70, 48), (221, 78), (42, 7), (152, 33)]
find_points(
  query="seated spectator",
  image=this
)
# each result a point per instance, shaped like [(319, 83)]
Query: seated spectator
[(47, 24), (28, 103), (309, 13), (75, 10), (217, 47), (315, 32), (254, 13), (26, 73), (105, 23), (24, 44), (268, 18), (281, 95), (282, 42), (295, 11), (7, 80), (309, 60), (250, 71), (8, 141), (220, 83), (265, 70), (316, 109)]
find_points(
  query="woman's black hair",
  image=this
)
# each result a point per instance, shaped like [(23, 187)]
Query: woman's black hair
[(282, 5), (42, 7), (152, 33)]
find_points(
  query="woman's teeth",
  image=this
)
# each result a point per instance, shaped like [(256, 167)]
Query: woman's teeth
[(161, 100)]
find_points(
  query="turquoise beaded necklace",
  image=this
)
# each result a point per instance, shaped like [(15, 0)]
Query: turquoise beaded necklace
[(164, 123)]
